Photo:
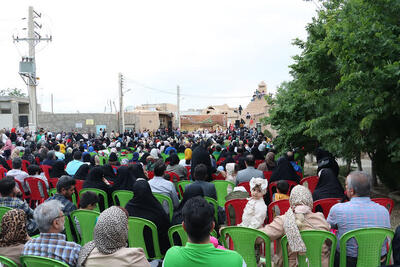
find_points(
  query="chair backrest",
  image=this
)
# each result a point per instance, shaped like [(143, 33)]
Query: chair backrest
[(68, 229), (267, 175), (215, 204), (53, 182), (243, 240), (272, 187), (222, 190), (314, 240), (386, 202), (34, 185), (103, 160), (325, 204), (7, 262), (150, 174), (238, 206), (246, 185), (178, 229), (277, 208), (9, 162), (87, 220), (25, 165), (165, 200), (37, 261), (52, 192), (100, 193), (220, 160), (2, 172), (123, 197), (46, 169), (369, 242), (21, 188), (181, 187), (173, 177), (136, 236), (219, 177), (310, 182), (258, 162), (181, 156), (300, 174), (3, 211)]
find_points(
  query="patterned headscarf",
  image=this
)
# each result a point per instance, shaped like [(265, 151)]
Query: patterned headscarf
[(13, 228), (301, 202), (109, 235)]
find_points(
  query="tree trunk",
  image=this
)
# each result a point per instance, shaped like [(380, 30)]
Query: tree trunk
[(359, 164), (348, 166), (373, 172)]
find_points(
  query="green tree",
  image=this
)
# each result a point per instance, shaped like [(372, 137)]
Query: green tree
[(12, 92)]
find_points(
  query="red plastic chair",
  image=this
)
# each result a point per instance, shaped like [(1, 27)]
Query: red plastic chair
[(78, 188), (258, 162), (115, 168), (300, 175), (53, 182), (25, 165), (386, 202), (218, 177), (46, 169), (150, 174), (325, 204), (310, 182), (246, 185), (9, 162), (188, 168), (21, 188), (36, 197), (272, 187), (267, 175), (2, 172), (37, 159), (219, 162), (173, 175), (238, 207), (277, 208)]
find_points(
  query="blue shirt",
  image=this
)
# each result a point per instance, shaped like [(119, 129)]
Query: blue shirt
[(359, 212), (73, 166)]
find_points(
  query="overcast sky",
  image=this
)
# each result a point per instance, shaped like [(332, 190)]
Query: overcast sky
[(208, 48)]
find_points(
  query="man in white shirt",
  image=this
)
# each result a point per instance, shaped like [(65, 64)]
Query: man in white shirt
[(17, 173)]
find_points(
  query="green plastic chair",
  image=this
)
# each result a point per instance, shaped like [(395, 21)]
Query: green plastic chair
[(92, 153), (136, 236), (369, 242), (68, 229), (87, 220), (180, 231), (3, 211), (162, 199), (313, 239), (129, 156), (37, 261), (181, 156), (182, 185), (243, 240), (222, 190), (123, 197), (103, 160), (215, 204), (164, 156), (52, 192), (7, 262), (100, 193)]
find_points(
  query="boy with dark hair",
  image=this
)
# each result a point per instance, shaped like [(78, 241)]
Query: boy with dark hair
[(282, 190), (198, 222)]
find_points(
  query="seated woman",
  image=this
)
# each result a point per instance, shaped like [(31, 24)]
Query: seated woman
[(13, 235), (328, 186), (124, 180), (145, 205), (82, 172), (284, 171), (96, 180), (108, 247), (298, 217), (176, 168), (187, 160), (190, 192), (58, 169)]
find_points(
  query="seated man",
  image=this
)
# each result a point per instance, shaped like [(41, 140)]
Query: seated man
[(65, 189), (162, 186), (290, 157), (74, 165), (10, 192), (359, 212), (250, 172), (198, 222), (200, 176), (51, 243), (17, 173)]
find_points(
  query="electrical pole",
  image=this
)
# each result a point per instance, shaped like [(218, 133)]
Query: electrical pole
[(121, 102), (178, 100), (52, 110), (27, 69)]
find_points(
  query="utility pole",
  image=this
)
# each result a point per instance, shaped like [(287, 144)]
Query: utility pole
[(27, 68), (121, 102), (178, 100)]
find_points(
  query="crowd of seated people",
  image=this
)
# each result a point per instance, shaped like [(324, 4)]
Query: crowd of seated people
[(182, 168)]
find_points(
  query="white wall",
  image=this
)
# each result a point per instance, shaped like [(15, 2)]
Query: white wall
[(6, 121)]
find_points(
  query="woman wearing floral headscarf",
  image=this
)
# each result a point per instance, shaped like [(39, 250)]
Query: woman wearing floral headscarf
[(13, 235), (299, 217), (108, 247)]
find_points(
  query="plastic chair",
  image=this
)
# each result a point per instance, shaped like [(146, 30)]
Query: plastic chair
[(325, 204), (21, 188), (222, 190), (2, 172), (136, 236), (87, 220), (369, 242), (68, 229), (25, 165), (181, 187), (242, 240), (181, 156), (258, 162), (215, 204), (310, 182), (7, 262), (52, 192), (78, 188), (220, 160), (238, 206), (123, 197), (386, 202), (36, 196), (180, 231), (267, 175), (173, 177), (272, 187), (246, 185), (277, 208), (37, 261), (150, 174), (218, 177), (103, 160), (9, 162), (3, 211), (100, 193), (162, 199), (46, 169), (314, 240), (53, 182), (300, 175)]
